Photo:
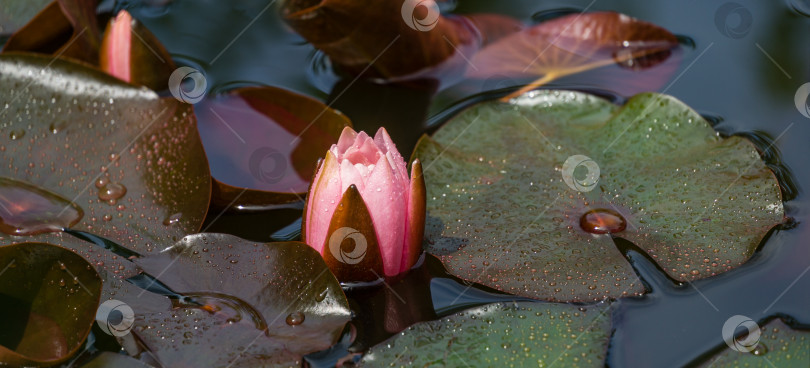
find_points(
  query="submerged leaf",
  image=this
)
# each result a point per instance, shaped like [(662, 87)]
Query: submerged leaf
[(263, 143), (519, 334), (131, 161), (574, 44), (392, 39), (778, 346), (48, 298), (517, 179), (257, 304)]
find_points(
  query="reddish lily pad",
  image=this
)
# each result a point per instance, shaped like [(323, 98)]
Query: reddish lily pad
[(65, 28), (131, 161), (261, 304), (577, 43), (778, 346), (506, 209), (391, 39), (499, 335), (263, 143), (49, 297)]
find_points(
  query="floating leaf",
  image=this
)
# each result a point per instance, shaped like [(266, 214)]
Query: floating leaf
[(49, 297), (131, 161), (573, 44), (778, 346), (259, 304), (65, 28), (358, 37), (519, 334), (506, 210), (266, 140), (131, 53)]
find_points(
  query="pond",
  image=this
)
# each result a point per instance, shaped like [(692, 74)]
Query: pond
[(742, 66)]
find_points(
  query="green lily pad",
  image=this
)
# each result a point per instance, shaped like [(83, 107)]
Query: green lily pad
[(502, 335), (132, 162), (505, 210), (48, 299), (258, 304), (778, 346)]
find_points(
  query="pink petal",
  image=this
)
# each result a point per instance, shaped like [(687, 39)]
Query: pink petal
[(323, 197), (347, 138), (387, 146), (387, 203), (118, 51), (415, 218), (363, 151), (349, 175)]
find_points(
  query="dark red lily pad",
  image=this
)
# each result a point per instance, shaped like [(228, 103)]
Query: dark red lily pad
[(581, 42), (131, 161), (48, 298), (65, 28), (260, 304), (379, 38), (263, 143)]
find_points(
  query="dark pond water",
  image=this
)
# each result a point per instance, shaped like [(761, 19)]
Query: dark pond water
[(740, 68)]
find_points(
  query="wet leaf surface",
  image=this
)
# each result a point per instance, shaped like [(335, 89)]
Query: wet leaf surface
[(132, 162), (65, 28), (502, 334), (778, 346), (581, 42), (263, 304), (502, 212), (266, 140), (393, 40), (49, 297)]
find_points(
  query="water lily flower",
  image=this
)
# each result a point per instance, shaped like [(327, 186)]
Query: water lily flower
[(364, 214)]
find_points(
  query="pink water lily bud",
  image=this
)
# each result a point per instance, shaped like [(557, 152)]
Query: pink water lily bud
[(364, 214)]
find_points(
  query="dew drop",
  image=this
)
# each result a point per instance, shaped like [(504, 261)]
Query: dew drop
[(760, 349), (16, 134), (173, 219), (295, 318), (602, 221), (111, 191)]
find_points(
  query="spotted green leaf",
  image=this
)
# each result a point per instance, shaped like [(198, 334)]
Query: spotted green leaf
[(504, 208), (778, 346), (502, 335)]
